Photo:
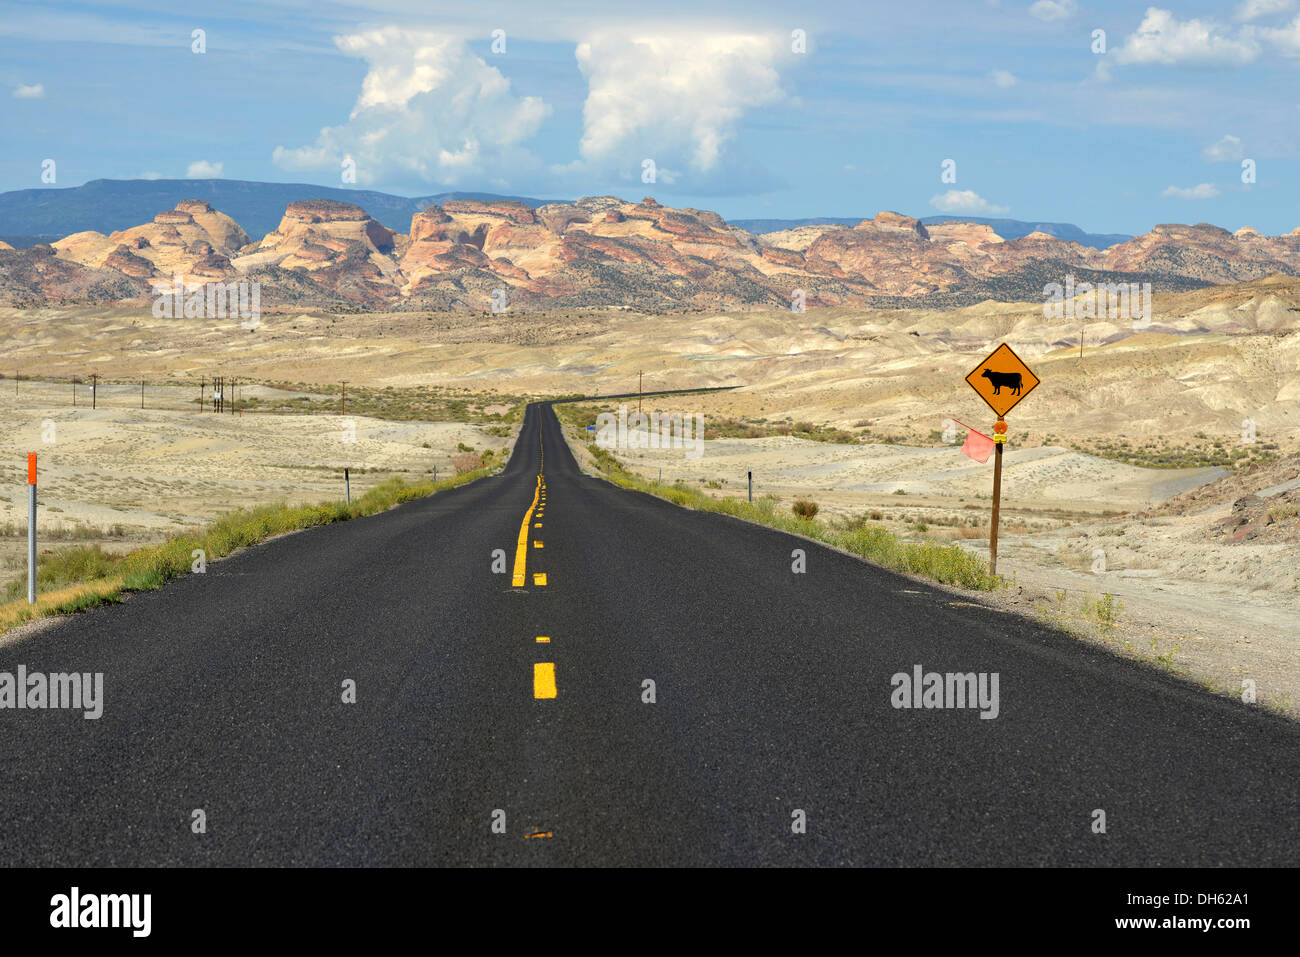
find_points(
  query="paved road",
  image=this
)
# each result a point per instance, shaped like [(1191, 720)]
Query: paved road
[(773, 692)]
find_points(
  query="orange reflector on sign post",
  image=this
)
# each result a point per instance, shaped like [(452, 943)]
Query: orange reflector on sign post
[(31, 468)]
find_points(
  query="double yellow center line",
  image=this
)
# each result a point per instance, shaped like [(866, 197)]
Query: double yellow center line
[(520, 575)]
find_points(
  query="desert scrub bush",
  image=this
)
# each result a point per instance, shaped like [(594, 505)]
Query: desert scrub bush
[(466, 462), (1279, 513), (1105, 610), (804, 508), (64, 566), (949, 564)]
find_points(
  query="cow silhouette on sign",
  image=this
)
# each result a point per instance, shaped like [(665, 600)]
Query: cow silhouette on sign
[(1012, 380)]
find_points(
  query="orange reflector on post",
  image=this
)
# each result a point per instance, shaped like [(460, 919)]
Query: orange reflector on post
[(31, 468)]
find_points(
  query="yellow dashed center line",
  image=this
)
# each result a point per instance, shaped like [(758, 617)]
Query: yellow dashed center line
[(543, 671), (544, 679)]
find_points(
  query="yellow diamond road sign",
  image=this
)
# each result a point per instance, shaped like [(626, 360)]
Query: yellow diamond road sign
[(1002, 380)]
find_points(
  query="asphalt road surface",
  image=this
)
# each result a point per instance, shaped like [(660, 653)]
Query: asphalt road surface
[(224, 692)]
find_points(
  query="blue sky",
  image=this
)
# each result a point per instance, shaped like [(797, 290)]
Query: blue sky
[(734, 116)]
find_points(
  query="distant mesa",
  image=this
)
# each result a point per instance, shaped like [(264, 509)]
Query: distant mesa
[(896, 222), (604, 250), (323, 211), (558, 216), (174, 217), (124, 260)]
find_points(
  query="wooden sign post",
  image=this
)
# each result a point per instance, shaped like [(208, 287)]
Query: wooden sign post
[(1001, 380)]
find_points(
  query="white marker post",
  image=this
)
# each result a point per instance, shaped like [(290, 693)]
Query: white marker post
[(31, 528), (347, 486)]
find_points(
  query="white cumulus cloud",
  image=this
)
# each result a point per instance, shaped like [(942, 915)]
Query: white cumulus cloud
[(1254, 9), (1050, 10), (1003, 78), (202, 169), (429, 111), (1200, 191), (966, 201), (1227, 150), (34, 92), (1286, 39), (1162, 39), (675, 99)]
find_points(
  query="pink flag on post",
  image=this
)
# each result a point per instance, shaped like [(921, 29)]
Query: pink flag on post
[(977, 445)]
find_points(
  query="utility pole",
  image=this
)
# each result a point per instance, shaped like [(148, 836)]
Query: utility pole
[(94, 382), (74, 391), (638, 390)]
